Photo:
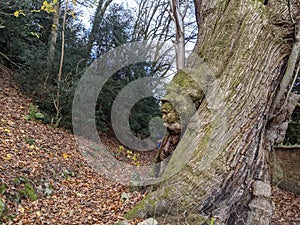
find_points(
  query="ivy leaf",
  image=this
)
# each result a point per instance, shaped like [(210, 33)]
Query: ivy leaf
[(39, 116)]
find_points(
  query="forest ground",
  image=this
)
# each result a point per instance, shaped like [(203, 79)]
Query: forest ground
[(68, 190)]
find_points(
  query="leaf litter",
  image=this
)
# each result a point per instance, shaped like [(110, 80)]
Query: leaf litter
[(35, 156)]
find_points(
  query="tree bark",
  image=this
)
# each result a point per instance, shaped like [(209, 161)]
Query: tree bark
[(52, 43), (219, 170), (178, 18), (56, 102)]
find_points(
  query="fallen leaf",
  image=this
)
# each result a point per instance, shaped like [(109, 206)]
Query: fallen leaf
[(30, 146), (79, 194), (8, 157), (65, 156), (21, 209)]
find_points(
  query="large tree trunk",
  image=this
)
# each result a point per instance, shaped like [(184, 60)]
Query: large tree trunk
[(220, 167)]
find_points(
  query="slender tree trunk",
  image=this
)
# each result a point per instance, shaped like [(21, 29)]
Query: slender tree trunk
[(219, 170), (180, 51), (178, 18), (52, 43), (57, 103)]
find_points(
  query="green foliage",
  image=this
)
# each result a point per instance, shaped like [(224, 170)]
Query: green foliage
[(116, 29), (30, 141), (17, 39), (25, 42), (19, 180), (292, 136), (28, 192), (25, 189), (2, 187), (34, 113), (212, 221), (1, 23), (3, 209), (68, 174), (48, 189), (120, 149), (141, 115), (133, 156)]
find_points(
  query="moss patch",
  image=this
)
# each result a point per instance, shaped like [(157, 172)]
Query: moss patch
[(182, 87), (189, 86), (184, 80), (139, 210)]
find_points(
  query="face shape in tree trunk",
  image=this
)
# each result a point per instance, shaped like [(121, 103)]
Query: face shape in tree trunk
[(220, 168)]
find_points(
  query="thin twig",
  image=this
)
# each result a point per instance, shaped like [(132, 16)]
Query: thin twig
[(290, 11), (289, 73), (8, 59)]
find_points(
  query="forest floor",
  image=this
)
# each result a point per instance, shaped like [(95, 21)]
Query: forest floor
[(45, 180)]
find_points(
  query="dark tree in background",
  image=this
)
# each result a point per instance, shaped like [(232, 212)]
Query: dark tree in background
[(292, 136)]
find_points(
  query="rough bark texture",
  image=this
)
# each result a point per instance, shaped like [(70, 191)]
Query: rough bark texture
[(52, 43), (220, 168)]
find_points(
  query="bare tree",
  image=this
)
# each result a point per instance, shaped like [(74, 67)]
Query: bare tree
[(178, 16), (154, 23)]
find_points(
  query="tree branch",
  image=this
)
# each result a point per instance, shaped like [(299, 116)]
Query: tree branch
[(289, 73)]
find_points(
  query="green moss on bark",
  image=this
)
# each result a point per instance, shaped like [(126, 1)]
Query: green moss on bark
[(182, 90), (139, 210)]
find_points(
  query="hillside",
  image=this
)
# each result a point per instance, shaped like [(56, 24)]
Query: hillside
[(36, 158), (68, 190)]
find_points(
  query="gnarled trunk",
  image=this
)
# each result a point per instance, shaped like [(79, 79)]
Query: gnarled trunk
[(220, 168)]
